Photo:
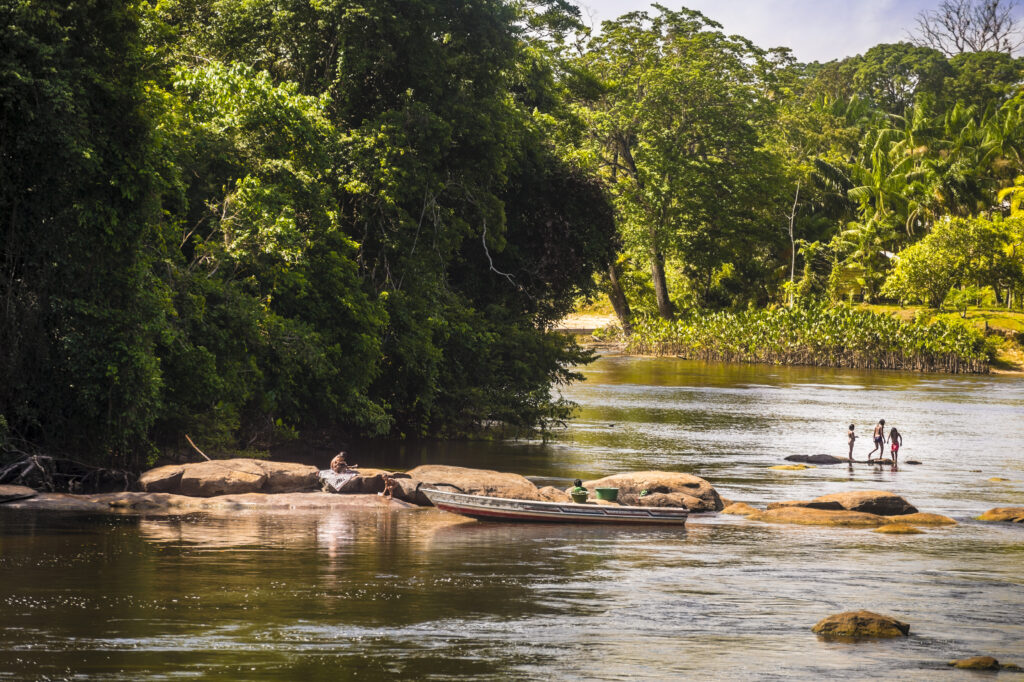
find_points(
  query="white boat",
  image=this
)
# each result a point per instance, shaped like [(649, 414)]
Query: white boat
[(501, 509)]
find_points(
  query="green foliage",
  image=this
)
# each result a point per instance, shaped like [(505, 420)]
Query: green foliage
[(81, 310), (958, 252), (817, 334)]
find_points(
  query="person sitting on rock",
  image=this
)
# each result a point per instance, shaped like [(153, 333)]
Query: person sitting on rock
[(339, 465), (340, 477)]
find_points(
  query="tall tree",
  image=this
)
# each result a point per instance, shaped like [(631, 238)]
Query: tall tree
[(960, 26)]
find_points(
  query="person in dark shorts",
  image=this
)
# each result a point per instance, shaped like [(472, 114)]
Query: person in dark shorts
[(879, 440)]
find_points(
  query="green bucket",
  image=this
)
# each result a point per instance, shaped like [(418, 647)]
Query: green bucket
[(610, 494), (579, 498)]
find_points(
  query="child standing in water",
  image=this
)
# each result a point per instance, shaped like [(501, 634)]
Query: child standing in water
[(896, 440), (879, 440), (852, 436)]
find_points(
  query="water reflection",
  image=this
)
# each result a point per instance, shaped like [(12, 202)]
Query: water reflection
[(426, 595)]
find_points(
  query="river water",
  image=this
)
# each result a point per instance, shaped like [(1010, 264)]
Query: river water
[(422, 595)]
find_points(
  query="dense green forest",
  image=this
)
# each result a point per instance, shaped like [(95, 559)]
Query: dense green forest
[(246, 220)]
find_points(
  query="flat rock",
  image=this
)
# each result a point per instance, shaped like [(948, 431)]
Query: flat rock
[(10, 493), (898, 529), (630, 485), (819, 517), (681, 500), (133, 502), (1006, 514), (976, 663), (817, 459), (923, 519), (476, 481), (857, 624), (792, 467), (810, 504), (871, 502), (229, 477), (740, 509)]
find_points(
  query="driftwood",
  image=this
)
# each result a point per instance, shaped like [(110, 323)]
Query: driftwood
[(59, 475)]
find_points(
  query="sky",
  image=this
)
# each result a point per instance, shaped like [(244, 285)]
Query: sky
[(816, 30)]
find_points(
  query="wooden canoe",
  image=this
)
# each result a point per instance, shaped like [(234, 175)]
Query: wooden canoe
[(501, 509)]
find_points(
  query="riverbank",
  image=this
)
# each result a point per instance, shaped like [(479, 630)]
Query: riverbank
[(1003, 330)]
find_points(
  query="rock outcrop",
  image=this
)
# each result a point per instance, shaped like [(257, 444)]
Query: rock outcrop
[(857, 624), (1006, 514), (631, 484), (230, 477), (476, 481), (871, 502), (10, 493)]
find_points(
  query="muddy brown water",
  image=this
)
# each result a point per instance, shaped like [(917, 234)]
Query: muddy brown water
[(423, 595)]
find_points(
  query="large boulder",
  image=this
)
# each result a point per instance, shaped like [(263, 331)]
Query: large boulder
[(871, 502), (702, 497), (9, 493), (476, 481), (166, 479), (855, 624), (230, 477), (671, 500), (819, 517), (1007, 514)]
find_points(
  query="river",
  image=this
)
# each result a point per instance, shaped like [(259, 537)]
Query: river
[(422, 595)]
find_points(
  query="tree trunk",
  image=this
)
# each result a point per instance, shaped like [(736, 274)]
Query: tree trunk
[(665, 307), (618, 298), (792, 246)]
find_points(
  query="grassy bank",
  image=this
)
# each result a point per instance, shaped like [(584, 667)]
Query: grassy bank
[(820, 335)]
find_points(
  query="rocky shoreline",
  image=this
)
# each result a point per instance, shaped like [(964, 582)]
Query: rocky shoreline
[(250, 484)]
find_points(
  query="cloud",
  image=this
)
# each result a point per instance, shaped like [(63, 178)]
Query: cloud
[(815, 30)]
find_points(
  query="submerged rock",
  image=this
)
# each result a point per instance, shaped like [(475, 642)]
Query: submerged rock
[(856, 624), (10, 493), (740, 509), (810, 504), (476, 481), (976, 663), (817, 459), (792, 467), (1007, 514), (871, 502), (631, 484), (818, 517), (923, 519), (897, 529)]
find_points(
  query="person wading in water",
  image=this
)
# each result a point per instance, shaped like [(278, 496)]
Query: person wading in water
[(879, 438)]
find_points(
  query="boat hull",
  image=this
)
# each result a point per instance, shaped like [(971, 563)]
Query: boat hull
[(485, 508)]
